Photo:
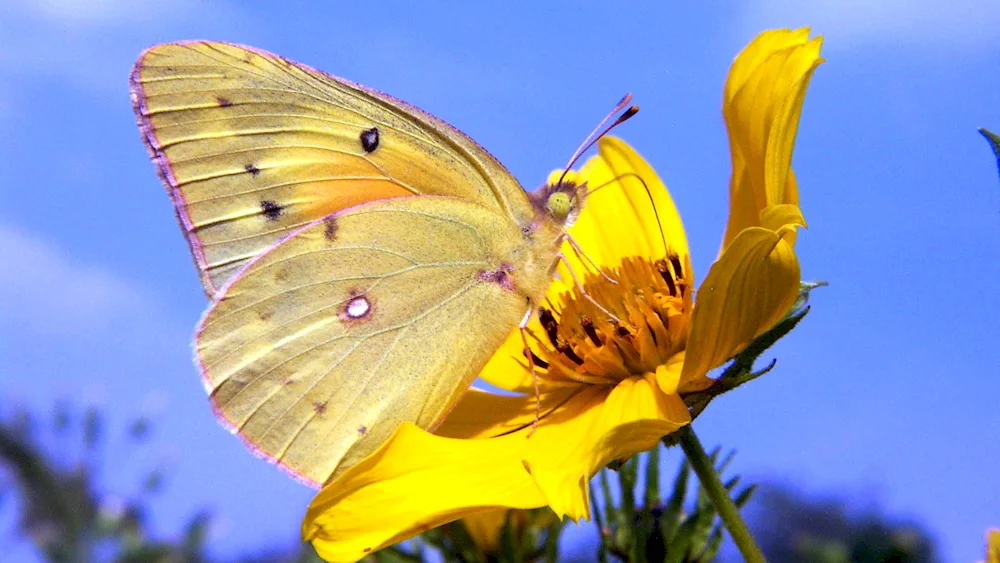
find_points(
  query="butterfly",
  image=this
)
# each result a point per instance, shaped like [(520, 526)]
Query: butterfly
[(363, 258)]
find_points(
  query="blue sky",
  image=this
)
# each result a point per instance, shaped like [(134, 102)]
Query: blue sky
[(887, 391)]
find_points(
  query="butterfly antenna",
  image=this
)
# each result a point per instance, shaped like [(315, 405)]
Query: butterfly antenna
[(601, 131)]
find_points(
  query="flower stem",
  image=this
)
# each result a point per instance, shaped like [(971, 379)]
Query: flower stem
[(719, 495)]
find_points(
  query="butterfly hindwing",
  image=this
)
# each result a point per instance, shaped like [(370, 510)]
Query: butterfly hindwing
[(253, 146), (319, 348)]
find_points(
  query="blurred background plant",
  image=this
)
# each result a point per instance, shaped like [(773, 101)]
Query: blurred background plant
[(794, 527), (54, 466), (994, 140), (50, 473)]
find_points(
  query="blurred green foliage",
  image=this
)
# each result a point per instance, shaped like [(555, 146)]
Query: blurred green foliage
[(524, 536), (795, 528), (52, 468), (646, 527)]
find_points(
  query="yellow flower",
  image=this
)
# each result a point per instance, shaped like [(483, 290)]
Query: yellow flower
[(607, 389), (485, 527), (992, 546)]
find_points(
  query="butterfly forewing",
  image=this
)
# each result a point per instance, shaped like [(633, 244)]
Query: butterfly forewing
[(253, 147)]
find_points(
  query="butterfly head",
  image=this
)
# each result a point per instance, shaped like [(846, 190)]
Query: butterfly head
[(560, 199)]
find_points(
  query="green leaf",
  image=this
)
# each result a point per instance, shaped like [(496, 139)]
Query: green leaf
[(678, 547), (672, 511), (393, 554), (721, 467), (512, 552), (714, 544), (994, 142), (744, 496), (461, 543), (602, 547), (550, 550), (652, 479)]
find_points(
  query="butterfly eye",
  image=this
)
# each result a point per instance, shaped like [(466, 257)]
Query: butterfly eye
[(559, 205)]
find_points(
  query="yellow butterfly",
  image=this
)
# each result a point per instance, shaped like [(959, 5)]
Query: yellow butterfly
[(364, 258)]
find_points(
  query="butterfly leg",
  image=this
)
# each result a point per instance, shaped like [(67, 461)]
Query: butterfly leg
[(586, 259), (523, 327), (584, 293)]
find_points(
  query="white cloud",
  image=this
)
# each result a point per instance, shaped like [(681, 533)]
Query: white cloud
[(97, 12), (936, 24), (46, 291), (92, 44)]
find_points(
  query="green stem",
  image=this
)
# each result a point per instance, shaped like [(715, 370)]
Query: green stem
[(719, 496)]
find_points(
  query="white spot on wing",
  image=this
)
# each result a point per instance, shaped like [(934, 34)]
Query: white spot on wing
[(358, 307)]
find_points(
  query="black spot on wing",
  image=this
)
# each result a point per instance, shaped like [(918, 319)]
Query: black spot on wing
[(369, 139), (252, 169), (270, 209), (223, 102)]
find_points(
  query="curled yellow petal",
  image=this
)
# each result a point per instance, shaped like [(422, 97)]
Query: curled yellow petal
[(798, 69), (747, 291), (762, 104), (758, 50), (783, 219), (993, 546)]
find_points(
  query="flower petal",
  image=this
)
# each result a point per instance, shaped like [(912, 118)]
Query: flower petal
[(484, 528), (748, 290), (762, 104), (762, 47), (783, 219), (419, 481), (798, 71), (591, 430), (993, 546), (479, 414), (621, 218), (508, 368), (416, 481)]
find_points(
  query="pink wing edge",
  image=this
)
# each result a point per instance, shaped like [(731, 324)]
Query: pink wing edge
[(166, 173), (220, 416)]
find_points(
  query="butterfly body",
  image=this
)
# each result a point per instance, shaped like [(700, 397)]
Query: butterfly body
[(363, 258)]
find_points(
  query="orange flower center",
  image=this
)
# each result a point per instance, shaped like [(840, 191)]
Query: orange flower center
[(584, 345)]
